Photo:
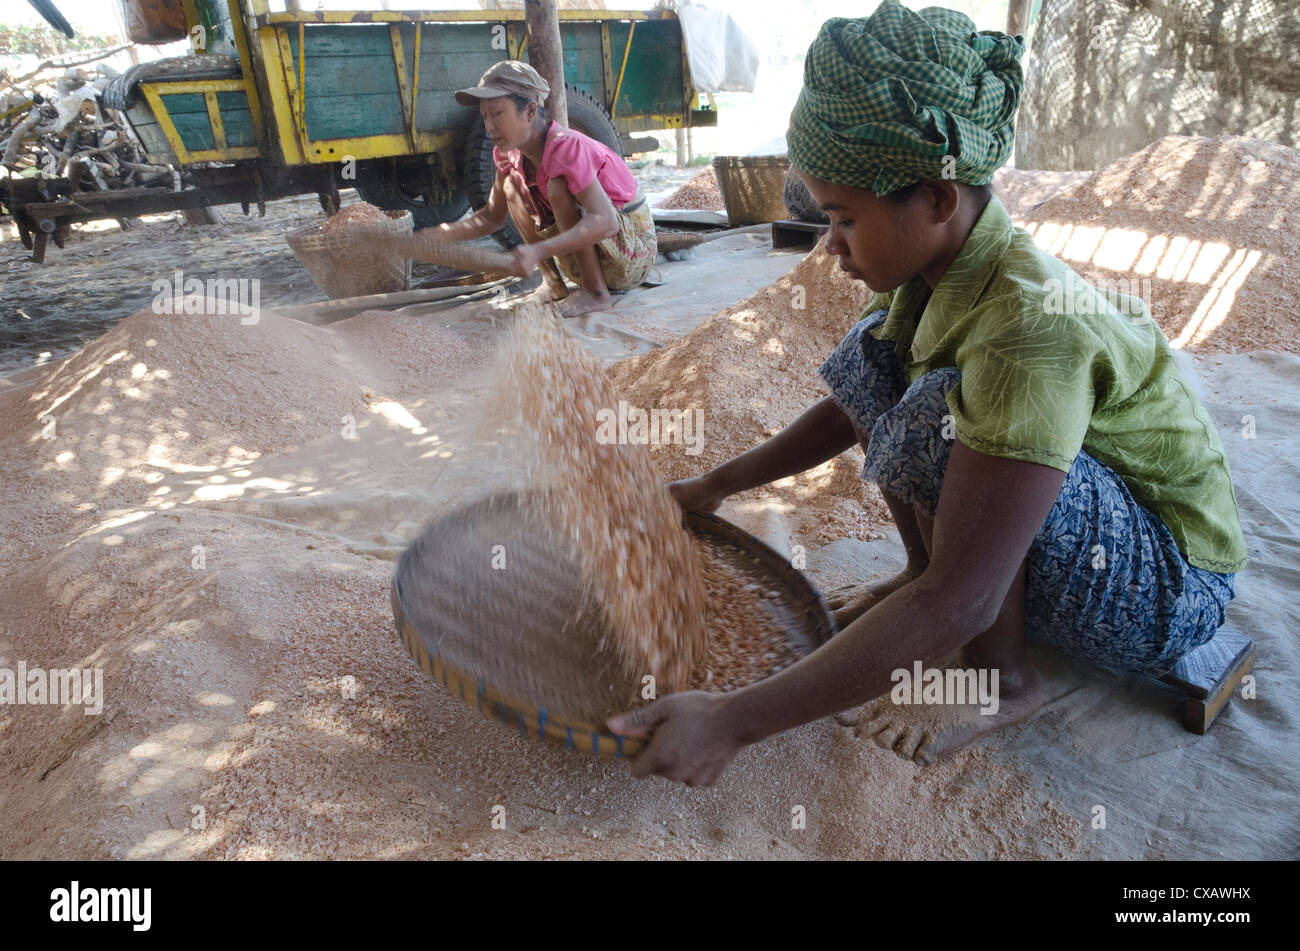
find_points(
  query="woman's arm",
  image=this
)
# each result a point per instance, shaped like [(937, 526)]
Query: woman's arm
[(990, 509), (491, 217), (599, 221), (821, 433)]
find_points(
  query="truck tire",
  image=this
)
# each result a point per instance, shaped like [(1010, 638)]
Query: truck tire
[(383, 191), (800, 203), (585, 114)]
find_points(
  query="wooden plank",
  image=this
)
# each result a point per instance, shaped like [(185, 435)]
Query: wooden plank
[(248, 70), (288, 46), (214, 120), (1210, 675), (364, 75), (1199, 714), (456, 38), (622, 71), (339, 117), (195, 131), (1201, 671), (451, 16), (403, 82), (652, 82), (326, 42), (183, 103), (238, 118)]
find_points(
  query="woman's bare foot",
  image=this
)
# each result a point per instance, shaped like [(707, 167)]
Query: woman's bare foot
[(584, 302), (545, 294), (926, 732), (850, 602)]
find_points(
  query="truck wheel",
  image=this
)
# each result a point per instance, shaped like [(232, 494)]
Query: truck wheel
[(384, 192), (800, 203), (585, 114)]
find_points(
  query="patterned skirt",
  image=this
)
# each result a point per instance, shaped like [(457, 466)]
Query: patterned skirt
[(627, 256), (1105, 579)]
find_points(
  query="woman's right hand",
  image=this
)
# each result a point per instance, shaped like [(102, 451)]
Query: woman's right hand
[(696, 494)]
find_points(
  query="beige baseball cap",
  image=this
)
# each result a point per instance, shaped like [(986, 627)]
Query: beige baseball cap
[(509, 77)]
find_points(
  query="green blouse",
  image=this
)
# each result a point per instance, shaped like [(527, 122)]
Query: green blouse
[(1051, 365)]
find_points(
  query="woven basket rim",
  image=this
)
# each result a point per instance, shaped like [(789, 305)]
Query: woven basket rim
[(751, 161), (309, 238), (577, 733)]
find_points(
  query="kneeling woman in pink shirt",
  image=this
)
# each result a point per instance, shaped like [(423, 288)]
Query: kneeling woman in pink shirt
[(570, 197)]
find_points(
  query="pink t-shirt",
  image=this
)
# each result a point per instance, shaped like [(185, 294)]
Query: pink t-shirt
[(580, 160)]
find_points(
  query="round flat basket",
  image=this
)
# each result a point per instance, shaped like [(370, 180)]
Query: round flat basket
[(489, 601), (343, 267)]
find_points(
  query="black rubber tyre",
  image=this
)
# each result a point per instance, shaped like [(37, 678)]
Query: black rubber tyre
[(385, 192), (585, 114), (800, 203)]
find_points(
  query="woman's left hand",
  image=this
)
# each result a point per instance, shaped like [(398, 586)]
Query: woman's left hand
[(692, 742), (527, 257)]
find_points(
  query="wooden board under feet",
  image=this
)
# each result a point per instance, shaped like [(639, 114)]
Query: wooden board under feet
[(1210, 674)]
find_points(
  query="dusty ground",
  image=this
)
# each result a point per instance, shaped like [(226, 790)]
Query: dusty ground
[(259, 705), (104, 273)]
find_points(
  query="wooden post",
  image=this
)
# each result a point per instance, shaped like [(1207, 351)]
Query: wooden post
[(1017, 17), (681, 147), (542, 18)]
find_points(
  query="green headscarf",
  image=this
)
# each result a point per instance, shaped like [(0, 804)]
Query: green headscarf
[(887, 97)]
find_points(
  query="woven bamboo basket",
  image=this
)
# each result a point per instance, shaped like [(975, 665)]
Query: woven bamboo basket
[(753, 187), (344, 267), (526, 645)]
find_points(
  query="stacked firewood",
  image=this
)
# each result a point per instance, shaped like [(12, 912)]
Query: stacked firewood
[(52, 123)]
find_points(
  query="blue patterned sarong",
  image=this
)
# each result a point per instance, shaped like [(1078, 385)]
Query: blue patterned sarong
[(1105, 578)]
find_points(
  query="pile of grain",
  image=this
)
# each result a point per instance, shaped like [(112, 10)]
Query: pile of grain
[(413, 354), (261, 707), (608, 499), (1020, 190), (1209, 229), (752, 369), (162, 393), (701, 193), (746, 643), (359, 213)]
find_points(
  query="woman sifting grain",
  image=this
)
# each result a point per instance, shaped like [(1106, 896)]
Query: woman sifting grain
[(570, 197), (1050, 473)]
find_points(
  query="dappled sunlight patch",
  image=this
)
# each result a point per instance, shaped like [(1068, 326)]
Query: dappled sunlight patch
[(1197, 228)]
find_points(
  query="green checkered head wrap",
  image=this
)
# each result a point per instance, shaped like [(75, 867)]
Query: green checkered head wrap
[(898, 97)]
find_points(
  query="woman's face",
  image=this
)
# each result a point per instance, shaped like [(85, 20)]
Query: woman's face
[(507, 124), (881, 242)]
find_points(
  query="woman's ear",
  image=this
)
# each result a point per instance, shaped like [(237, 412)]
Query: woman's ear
[(945, 197)]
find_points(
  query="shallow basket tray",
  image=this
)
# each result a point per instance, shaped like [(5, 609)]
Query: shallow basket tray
[(450, 607), (343, 267)]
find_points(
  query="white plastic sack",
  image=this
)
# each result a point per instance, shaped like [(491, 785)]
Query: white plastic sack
[(721, 56)]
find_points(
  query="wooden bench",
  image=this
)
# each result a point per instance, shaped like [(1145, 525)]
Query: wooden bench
[(1209, 675)]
